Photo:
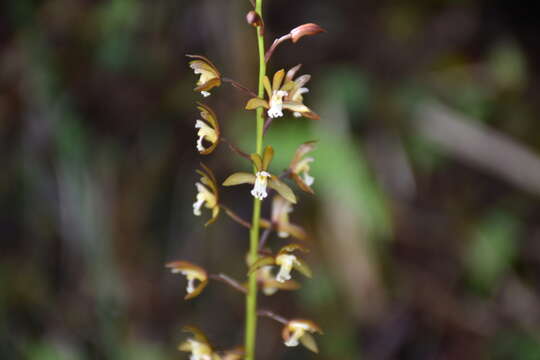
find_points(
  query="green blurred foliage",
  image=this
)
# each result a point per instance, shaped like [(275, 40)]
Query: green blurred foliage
[(492, 250)]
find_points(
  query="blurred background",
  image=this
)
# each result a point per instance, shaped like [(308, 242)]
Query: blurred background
[(425, 226)]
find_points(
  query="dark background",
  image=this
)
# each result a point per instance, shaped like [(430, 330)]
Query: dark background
[(425, 225)]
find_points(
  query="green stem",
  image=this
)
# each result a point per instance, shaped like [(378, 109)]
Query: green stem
[(251, 297)]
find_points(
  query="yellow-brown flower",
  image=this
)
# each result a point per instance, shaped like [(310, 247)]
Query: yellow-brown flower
[(210, 76), (262, 178), (286, 260), (299, 167), (207, 194), (270, 285), (300, 330), (208, 129), (284, 93), (281, 208), (193, 273)]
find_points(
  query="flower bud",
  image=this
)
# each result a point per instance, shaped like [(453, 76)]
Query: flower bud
[(306, 29), (253, 19)]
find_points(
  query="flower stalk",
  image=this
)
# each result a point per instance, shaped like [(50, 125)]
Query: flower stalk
[(251, 297)]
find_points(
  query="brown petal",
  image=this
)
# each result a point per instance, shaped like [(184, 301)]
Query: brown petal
[(303, 150), (301, 266), (209, 85), (282, 189), (211, 64), (208, 115), (278, 78), (197, 334), (292, 72), (197, 291), (179, 265), (265, 223), (301, 184), (257, 161), (302, 80), (311, 115), (263, 261), (311, 325), (215, 214), (239, 178), (254, 103), (292, 247), (309, 342), (267, 86), (295, 231), (304, 30), (295, 106), (208, 179), (267, 157)]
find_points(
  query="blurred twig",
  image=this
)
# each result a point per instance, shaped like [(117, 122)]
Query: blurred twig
[(479, 145)]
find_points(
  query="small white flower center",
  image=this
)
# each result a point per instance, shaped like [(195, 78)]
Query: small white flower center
[(308, 179), (286, 262), (259, 188), (201, 198), (190, 285), (190, 280), (276, 104)]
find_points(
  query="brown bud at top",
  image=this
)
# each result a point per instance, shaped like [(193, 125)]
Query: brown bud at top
[(306, 29), (253, 19)]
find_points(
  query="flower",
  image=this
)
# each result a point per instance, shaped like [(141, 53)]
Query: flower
[(207, 194), (300, 166), (261, 181), (198, 345), (300, 330), (210, 76), (270, 285), (208, 129), (286, 261), (284, 95), (281, 208), (262, 178), (305, 30), (193, 273)]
